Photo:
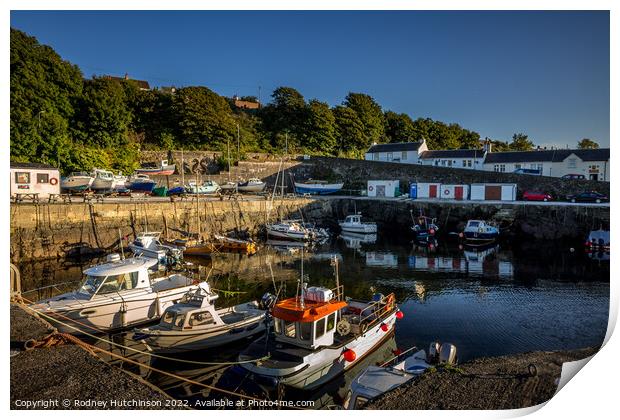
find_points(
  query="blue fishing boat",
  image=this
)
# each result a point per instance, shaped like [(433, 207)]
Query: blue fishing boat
[(317, 187), (480, 232), (141, 183)]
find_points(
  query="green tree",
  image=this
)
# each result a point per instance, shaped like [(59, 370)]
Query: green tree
[(371, 116), (349, 132), (104, 117), (320, 132), (204, 118), (43, 91), (399, 128), (521, 142), (285, 116), (587, 144)]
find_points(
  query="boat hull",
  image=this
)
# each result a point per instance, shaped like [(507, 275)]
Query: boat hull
[(295, 236), (113, 313), (251, 187), (320, 189), (101, 185), (363, 228), (142, 186), (164, 170), (480, 236), (76, 183), (189, 341)]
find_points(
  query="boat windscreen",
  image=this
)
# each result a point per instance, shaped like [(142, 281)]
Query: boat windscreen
[(91, 284)]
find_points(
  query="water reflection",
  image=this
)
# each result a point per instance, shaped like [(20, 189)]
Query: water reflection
[(492, 301)]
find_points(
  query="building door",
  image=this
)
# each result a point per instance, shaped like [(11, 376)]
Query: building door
[(493, 192), (432, 191), (380, 190), (594, 177), (458, 193)]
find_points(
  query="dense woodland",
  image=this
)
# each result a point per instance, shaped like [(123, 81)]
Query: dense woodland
[(61, 118)]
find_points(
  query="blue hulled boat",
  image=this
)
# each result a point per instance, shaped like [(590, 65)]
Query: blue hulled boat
[(479, 231)]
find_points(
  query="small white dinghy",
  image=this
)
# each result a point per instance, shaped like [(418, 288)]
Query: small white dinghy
[(194, 324), (377, 380)]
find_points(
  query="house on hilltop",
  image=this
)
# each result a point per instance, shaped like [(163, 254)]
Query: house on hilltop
[(142, 84)]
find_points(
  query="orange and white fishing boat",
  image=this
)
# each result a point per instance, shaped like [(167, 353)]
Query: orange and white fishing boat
[(318, 335)]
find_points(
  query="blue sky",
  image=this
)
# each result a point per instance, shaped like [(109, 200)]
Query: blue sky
[(545, 74)]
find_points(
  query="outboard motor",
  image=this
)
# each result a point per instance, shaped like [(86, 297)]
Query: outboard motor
[(447, 354), (433, 352), (267, 301)]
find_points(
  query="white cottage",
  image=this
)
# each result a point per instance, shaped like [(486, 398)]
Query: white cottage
[(397, 152), (34, 178)]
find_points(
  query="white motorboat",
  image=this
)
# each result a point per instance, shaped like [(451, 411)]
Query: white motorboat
[(228, 187), (353, 223), (251, 185), (194, 324), (318, 335), (207, 187), (119, 182), (290, 230), (114, 295), (147, 244), (377, 380), (77, 181), (103, 180)]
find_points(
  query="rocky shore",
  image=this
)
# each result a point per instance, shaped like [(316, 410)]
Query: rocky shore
[(497, 383)]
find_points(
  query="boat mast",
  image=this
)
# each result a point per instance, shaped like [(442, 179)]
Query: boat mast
[(228, 149), (182, 170)]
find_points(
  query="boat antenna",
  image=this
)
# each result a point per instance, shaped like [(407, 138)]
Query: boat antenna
[(302, 279)]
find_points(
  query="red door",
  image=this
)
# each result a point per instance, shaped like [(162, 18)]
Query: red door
[(458, 193), (432, 191)]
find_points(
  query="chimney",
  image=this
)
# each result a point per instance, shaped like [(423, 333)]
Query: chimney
[(126, 76), (487, 146)]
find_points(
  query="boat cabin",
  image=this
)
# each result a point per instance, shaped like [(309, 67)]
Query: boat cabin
[(308, 320), (478, 226), (354, 219), (195, 309), (117, 275)]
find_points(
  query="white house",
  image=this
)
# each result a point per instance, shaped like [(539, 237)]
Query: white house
[(593, 164), (396, 152), (30, 178), (458, 158)]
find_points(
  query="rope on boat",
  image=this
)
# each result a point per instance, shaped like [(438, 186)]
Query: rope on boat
[(160, 356), (57, 338)]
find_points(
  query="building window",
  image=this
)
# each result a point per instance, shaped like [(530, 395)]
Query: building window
[(572, 163), (376, 156), (499, 168), (43, 178), (466, 163), (404, 156), (389, 156), (517, 166), (22, 177), (449, 163)]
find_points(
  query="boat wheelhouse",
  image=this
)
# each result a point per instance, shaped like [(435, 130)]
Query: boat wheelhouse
[(148, 244), (115, 295), (425, 228), (103, 181), (353, 223), (318, 335), (207, 187)]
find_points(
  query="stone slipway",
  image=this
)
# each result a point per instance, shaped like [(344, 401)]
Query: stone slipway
[(496, 383), (69, 373)]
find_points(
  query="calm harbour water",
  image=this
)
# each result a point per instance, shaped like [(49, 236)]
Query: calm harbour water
[(499, 301)]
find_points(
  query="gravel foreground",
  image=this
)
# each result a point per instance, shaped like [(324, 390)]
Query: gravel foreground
[(494, 383), (69, 377)]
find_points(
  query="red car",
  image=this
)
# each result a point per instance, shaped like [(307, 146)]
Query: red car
[(536, 196)]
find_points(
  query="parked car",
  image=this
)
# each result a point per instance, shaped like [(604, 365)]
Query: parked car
[(528, 171), (573, 176), (536, 196), (587, 197)]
